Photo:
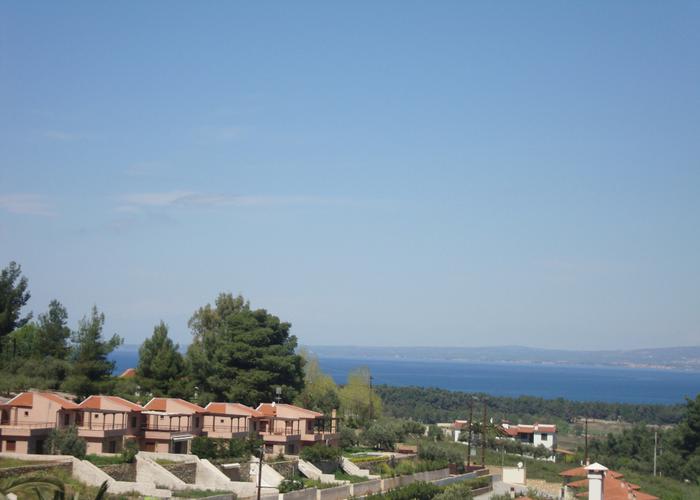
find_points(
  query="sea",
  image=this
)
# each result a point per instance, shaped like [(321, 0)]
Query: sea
[(579, 383)]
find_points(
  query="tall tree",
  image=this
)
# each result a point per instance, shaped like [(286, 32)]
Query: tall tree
[(320, 391), (241, 354), (160, 363), (358, 402), (89, 355), (13, 296), (54, 332)]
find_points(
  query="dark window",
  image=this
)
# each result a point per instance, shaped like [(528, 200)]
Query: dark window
[(26, 413), (133, 422), (196, 421), (544, 436), (66, 419), (11, 446)]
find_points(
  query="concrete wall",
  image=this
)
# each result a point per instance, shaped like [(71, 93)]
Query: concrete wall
[(307, 494), (367, 487), (336, 493), (148, 471), (390, 483), (210, 477)]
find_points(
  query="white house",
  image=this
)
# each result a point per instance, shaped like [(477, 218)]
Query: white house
[(537, 434)]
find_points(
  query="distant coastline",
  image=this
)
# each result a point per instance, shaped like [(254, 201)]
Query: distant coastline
[(686, 359)]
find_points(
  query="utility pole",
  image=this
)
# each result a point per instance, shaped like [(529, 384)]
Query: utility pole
[(469, 441), (656, 432), (262, 454), (483, 438), (585, 458), (371, 404)]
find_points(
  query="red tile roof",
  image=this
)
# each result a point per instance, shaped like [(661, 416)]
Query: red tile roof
[(160, 404), (270, 410), (97, 403), (232, 409), (26, 399), (128, 373)]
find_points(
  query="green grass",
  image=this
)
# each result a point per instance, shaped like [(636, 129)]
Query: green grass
[(199, 493), (100, 460), (665, 488), (341, 475), (165, 461), (6, 463)]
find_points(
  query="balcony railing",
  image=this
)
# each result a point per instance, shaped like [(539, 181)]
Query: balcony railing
[(99, 426), (225, 428), (165, 427), (29, 425)]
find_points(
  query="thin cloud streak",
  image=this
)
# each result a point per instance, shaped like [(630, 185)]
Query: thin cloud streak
[(59, 135), (135, 202), (26, 204)]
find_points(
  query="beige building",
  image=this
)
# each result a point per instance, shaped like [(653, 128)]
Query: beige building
[(229, 420), (170, 424), (105, 422), (287, 429), (27, 420)]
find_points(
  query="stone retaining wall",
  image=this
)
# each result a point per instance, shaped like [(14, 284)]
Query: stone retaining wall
[(121, 472), (307, 494), (29, 469), (187, 472)]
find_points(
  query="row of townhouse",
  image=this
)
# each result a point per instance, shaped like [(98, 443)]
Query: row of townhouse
[(164, 425)]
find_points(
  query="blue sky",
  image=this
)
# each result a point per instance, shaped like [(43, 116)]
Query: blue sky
[(380, 173)]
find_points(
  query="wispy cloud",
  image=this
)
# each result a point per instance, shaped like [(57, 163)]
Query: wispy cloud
[(225, 133), (29, 204), (135, 202), (143, 168), (60, 135)]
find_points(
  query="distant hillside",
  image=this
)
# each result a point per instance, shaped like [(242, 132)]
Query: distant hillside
[(677, 358)]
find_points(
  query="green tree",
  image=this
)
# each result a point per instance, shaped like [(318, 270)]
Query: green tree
[(320, 391), (359, 404), (53, 334), (381, 434), (65, 441), (160, 365), (13, 296), (89, 356), (242, 354)]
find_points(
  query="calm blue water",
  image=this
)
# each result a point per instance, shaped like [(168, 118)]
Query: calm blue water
[(582, 383)]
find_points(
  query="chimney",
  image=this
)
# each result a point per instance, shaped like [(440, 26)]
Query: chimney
[(596, 474)]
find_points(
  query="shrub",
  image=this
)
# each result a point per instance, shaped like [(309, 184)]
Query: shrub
[(435, 433), (417, 491), (381, 434), (320, 453), (348, 438), (130, 450), (445, 452), (205, 447), (288, 485), (65, 441)]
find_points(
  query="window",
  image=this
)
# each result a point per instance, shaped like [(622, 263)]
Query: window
[(96, 415), (133, 422), (66, 419), (162, 417), (222, 420), (196, 421), (11, 446), (543, 436), (26, 413)]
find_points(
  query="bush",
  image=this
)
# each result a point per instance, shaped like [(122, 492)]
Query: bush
[(320, 453), (441, 451), (130, 450), (205, 447), (65, 441), (382, 435), (417, 491), (348, 438), (288, 485)]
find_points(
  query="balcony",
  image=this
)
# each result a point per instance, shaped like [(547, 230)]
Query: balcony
[(225, 431), (26, 428)]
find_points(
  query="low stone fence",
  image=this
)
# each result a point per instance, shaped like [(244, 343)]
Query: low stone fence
[(335, 493), (30, 469)]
